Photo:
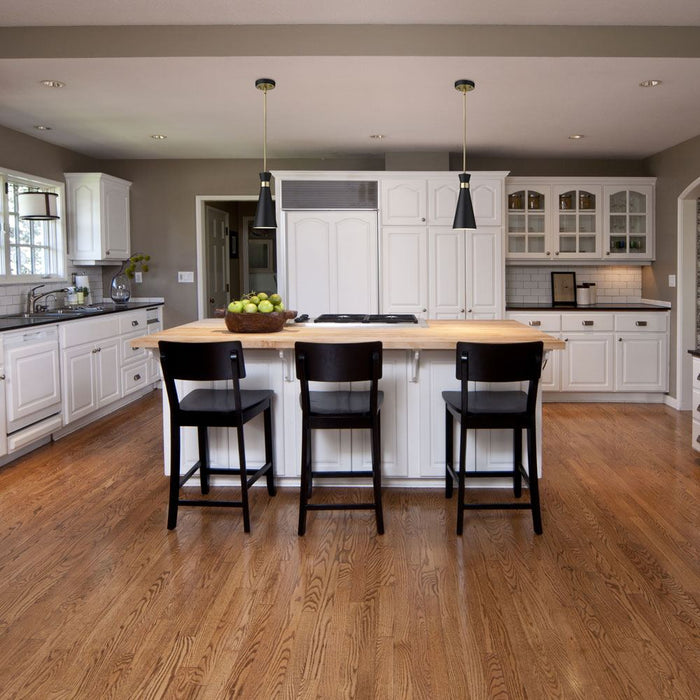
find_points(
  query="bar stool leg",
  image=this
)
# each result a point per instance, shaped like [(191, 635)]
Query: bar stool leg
[(270, 476), (174, 475), (203, 442), (517, 462), (244, 479), (533, 480), (449, 453), (305, 477), (377, 474), (462, 476)]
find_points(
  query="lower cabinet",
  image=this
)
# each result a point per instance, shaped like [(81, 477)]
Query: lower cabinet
[(696, 403), (605, 352), (92, 378)]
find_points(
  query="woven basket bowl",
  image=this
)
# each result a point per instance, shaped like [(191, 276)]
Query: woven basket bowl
[(257, 323)]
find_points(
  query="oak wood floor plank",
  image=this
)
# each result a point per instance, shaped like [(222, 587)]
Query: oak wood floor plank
[(98, 599)]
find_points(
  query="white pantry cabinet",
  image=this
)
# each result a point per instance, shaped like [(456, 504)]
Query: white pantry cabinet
[(405, 270), (98, 218), (331, 264)]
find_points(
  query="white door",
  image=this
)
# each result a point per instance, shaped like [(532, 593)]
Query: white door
[(108, 372), (217, 259), (447, 273), (484, 279), (405, 270), (332, 262), (79, 395), (641, 362), (117, 243), (587, 362)]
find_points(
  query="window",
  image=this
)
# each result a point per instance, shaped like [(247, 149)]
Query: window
[(31, 250)]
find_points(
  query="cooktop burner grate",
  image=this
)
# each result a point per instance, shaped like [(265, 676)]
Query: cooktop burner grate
[(366, 318)]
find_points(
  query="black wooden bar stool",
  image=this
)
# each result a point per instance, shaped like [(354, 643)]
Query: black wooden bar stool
[(495, 362), (341, 362), (232, 407)]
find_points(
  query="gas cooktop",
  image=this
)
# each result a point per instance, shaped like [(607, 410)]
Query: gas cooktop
[(366, 318)]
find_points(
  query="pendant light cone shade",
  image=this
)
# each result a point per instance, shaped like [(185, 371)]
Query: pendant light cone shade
[(464, 215), (38, 206), (265, 216), (265, 212)]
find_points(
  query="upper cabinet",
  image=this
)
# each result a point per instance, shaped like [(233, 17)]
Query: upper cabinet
[(98, 218), (578, 220), (433, 200), (629, 221)]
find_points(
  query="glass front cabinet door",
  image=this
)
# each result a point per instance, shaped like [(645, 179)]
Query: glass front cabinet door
[(527, 231), (577, 222), (628, 222)]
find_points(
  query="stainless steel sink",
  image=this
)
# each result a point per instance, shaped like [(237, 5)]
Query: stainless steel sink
[(58, 313)]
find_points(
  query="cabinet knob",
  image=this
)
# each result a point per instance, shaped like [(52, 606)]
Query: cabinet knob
[(619, 340), (607, 252), (697, 439), (422, 218), (547, 253), (556, 253), (461, 311), (469, 311), (697, 409), (2, 376), (134, 323), (137, 377), (108, 252), (425, 310), (566, 340)]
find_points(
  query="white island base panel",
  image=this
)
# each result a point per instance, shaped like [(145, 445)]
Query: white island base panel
[(413, 426)]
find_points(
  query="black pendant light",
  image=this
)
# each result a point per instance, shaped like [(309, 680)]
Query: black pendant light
[(38, 206), (464, 216), (265, 212)]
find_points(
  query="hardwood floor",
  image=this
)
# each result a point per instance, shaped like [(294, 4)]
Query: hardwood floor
[(99, 600)]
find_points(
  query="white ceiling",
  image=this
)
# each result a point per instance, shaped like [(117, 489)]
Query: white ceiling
[(329, 105)]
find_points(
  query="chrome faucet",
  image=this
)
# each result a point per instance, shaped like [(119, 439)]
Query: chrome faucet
[(33, 297)]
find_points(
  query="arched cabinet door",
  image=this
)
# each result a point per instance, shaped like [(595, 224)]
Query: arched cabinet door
[(487, 198), (403, 202)]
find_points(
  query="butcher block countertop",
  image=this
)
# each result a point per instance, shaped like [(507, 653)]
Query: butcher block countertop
[(435, 335)]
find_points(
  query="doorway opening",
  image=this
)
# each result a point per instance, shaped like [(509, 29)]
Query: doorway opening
[(232, 258)]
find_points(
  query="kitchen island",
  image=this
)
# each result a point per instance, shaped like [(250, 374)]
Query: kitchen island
[(418, 364)]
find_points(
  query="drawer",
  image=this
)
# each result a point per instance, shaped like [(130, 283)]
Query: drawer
[(130, 354), (134, 377), (542, 322), (696, 435), (655, 321), (582, 321), (133, 321), (88, 330)]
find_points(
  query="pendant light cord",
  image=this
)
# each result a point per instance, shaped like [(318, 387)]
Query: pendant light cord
[(265, 130), (464, 139)]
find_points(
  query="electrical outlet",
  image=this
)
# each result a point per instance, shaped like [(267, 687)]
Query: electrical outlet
[(671, 280), (186, 276), (138, 277)]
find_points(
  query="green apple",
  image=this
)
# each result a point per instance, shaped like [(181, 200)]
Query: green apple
[(255, 299), (262, 296), (235, 307), (275, 298), (279, 307), (250, 309), (265, 306)]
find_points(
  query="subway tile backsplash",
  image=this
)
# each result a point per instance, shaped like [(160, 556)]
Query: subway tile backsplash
[(13, 297), (533, 285)]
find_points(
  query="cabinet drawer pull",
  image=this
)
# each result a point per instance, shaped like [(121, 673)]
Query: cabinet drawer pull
[(697, 439), (137, 377), (698, 378), (640, 323), (134, 323), (697, 409), (534, 323), (2, 376), (586, 323)]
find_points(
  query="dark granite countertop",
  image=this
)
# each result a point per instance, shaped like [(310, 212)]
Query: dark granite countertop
[(592, 307), (695, 353), (8, 323)]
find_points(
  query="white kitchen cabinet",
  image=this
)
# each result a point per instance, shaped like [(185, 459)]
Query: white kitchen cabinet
[(579, 219), (332, 264), (695, 406), (403, 202), (3, 417), (641, 352), (486, 193), (465, 273), (405, 270), (98, 218), (629, 222), (547, 323), (587, 361)]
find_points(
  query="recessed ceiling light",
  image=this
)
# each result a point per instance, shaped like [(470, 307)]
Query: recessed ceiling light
[(158, 137), (649, 83), (53, 83), (378, 137), (41, 127), (576, 137)]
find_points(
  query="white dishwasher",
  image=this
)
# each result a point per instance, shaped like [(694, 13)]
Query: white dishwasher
[(32, 385)]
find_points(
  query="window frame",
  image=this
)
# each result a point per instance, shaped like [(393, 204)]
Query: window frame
[(57, 232)]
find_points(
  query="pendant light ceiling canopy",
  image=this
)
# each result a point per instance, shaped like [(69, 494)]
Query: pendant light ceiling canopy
[(464, 216), (265, 212), (38, 206)]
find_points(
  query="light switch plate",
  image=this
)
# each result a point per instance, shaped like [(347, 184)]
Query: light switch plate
[(671, 280), (185, 276), (138, 277)]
